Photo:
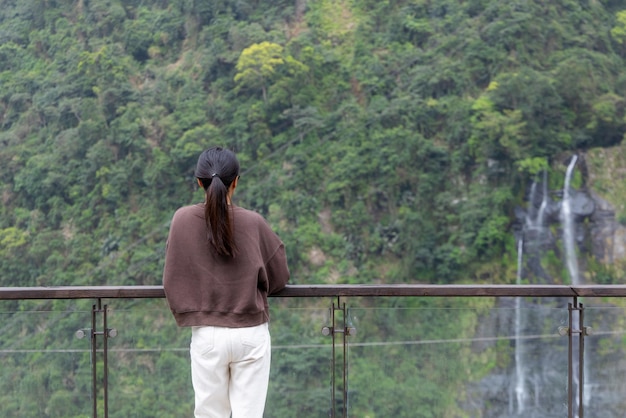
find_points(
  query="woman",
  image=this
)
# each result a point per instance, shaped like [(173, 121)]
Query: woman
[(221, 263)]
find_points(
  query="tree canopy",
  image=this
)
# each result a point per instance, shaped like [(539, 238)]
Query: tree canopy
[(385, 141)]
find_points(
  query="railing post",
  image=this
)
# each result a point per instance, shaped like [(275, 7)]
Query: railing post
[(577, 326), (105, 361), (582, 332), (94, 363), (332, 330), (345, 330), (106, 333)]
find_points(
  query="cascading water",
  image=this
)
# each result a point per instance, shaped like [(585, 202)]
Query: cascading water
[(569, 242), (567, 221), (533, 225), (530, 222), (534, 229), (520, 371), (544, 201)]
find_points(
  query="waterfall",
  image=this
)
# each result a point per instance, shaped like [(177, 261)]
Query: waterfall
[(536, 218), (544, 200), (520, 372), (569, 242), (531, 199), (531, 386), (568, 225)]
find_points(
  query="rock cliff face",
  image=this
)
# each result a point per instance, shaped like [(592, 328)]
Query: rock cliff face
[(608, 237), (598, 236)]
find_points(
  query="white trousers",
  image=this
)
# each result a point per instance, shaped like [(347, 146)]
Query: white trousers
[(230, 369)]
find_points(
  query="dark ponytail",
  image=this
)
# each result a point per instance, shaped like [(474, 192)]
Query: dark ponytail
[(217, 168)]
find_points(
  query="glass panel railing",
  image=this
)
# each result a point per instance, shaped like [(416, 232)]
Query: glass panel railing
[(149, 361), (45, 370), (605, 351), (408, 357), (537, 357), (457, 357), (49, 373), (300, 378)]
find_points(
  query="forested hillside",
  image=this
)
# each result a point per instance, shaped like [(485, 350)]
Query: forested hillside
[(385, 141)]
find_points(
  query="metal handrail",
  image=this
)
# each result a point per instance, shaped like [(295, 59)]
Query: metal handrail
[(295, 291)]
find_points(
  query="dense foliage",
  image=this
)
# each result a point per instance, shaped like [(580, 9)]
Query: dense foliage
[(361, 126), (385, 141)]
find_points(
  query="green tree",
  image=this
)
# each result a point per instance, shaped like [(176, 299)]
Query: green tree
[(257, 65)]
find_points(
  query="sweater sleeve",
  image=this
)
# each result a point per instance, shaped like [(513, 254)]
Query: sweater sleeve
[(277, 270)]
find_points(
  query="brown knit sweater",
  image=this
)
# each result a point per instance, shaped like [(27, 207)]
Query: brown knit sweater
[(204, 288)]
